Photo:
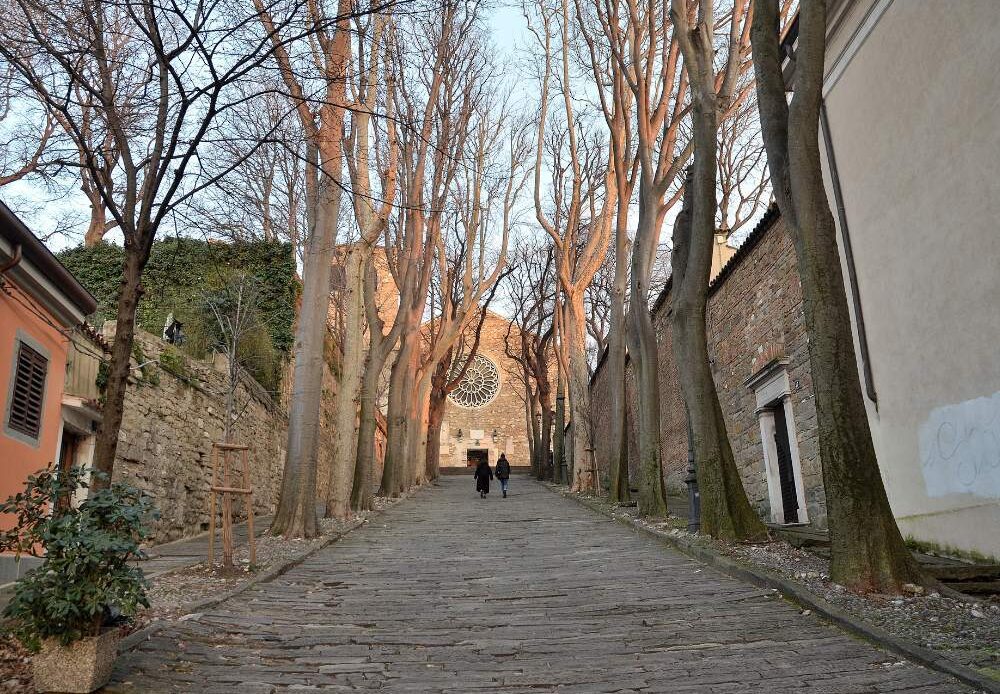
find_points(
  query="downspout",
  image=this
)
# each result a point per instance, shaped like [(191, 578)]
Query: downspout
[(15, 259), (852, 275)]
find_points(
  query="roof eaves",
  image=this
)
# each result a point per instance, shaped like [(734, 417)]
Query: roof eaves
[(32, 249)]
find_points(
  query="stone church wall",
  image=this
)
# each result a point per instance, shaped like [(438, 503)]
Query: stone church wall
[(172, 415), (754, 319), (505, 414)]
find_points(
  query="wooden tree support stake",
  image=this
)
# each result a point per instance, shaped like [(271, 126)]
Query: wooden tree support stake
[(227, 491)]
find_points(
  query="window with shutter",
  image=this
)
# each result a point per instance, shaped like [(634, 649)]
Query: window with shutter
[(27, 394)]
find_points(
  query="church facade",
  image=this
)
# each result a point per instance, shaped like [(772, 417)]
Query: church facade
[(485, 414)]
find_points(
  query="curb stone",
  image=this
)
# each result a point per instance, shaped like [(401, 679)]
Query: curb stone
[(145, 633), (803, 597)]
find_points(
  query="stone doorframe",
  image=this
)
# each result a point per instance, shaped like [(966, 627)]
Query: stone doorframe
[(773, 391)]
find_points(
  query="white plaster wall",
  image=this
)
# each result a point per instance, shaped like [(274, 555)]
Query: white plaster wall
[(915, 120)]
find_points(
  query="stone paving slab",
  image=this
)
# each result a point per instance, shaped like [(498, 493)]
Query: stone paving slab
[(448, 593)]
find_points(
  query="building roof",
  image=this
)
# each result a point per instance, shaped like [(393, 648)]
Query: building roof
[(41, 274)]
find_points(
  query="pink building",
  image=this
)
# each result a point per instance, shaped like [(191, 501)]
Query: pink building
[(41, 305)]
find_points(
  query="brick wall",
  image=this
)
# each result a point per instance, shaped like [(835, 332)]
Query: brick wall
[(754, 316)]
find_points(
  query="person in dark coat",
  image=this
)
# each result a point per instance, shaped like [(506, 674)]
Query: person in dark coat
[(503, 473), (483, 476)]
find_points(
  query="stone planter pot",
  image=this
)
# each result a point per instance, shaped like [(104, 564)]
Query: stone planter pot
[(80, 668)]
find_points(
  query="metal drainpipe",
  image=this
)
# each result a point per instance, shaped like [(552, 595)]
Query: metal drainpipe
[(852, 276), (694, 496), (15, 259)]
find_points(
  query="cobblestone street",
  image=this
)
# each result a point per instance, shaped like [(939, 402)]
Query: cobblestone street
[(447, 592)]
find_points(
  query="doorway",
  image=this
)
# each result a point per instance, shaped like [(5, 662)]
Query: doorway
[(786, 469), (474, 456)]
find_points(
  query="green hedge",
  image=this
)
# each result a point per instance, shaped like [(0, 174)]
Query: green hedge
[(179, 274)]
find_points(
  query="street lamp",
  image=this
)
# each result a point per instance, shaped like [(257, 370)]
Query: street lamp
[(694, 497), (496, 436)]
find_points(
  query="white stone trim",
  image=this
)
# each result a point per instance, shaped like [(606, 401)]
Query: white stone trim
[(771, 385)]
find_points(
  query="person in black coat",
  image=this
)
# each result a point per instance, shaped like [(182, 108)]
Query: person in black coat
[(503, 473), (483, 476)]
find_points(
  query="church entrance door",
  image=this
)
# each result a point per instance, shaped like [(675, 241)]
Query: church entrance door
[(474, 456)]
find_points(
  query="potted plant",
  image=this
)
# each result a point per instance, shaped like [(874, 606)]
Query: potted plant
[(69, 611)]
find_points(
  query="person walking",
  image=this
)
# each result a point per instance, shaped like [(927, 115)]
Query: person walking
[(503, 473), (483, 476)]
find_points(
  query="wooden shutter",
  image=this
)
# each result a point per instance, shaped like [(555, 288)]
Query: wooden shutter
[(28, 392)]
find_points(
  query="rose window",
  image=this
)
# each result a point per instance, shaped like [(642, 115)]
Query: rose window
[(480, 384)]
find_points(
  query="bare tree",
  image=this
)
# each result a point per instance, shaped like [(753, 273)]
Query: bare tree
[(236, 309), (371, 214), (469, 268), (262, 145), (435, 98), (743, 180), (528, 343), (598, 301), (381, 343), (644, 53), (155, 103), (726, 511), (584, 197), (27, 128), (321, 114), (867, 550)]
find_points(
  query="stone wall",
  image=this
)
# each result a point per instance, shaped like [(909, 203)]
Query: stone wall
[(173, 413), (505, 414), (754, 320)]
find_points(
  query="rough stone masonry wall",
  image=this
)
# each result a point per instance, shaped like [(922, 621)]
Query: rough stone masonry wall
[(754, 313), (505, 413), (170, 422)]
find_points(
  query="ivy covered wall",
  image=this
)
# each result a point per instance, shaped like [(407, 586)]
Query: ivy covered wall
[(181, 273)]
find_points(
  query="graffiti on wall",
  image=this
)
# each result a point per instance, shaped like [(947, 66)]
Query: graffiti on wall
[(960, 448)]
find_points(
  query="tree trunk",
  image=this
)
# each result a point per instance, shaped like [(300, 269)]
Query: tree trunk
[(364, 468), (422, 466), (543, 391), (98, 223), (531, 412), (546, 472), (435, 412), (584, 470), (352, 366), (296, 513), (618, 464), (868, 553), (559, 445), (725, 510), (435, 417), (401, 385), (867, 550), (646, 368), (106, 446)]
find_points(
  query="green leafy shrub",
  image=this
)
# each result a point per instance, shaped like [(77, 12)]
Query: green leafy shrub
[(88, 572)]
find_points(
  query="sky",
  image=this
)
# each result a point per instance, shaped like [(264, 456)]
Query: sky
[(40, 208)]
